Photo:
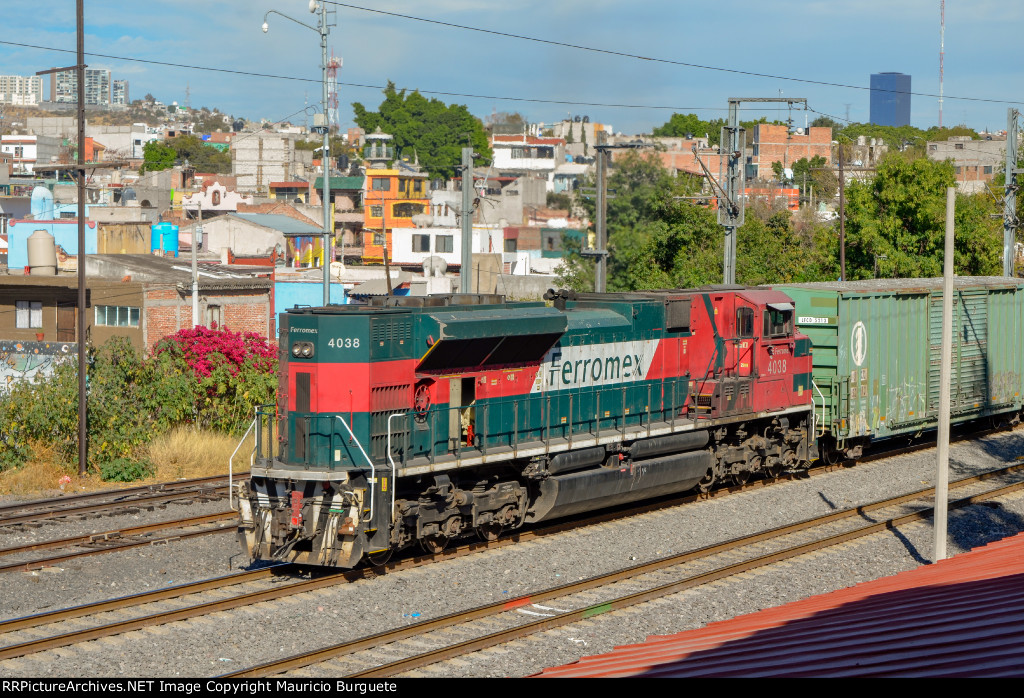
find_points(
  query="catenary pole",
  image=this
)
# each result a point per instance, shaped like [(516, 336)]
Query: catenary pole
[(942, 466), (197, 230), (325, 159), (467, 220), (83, 435)]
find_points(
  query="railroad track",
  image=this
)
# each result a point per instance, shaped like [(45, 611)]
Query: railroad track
[(251, 588), (493, 624), (122, 539), (110, 502)]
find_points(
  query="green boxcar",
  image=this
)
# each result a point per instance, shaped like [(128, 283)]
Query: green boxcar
[(877, 353)]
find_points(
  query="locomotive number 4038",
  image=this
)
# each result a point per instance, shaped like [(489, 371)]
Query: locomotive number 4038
[(343, 342), (776, 366)]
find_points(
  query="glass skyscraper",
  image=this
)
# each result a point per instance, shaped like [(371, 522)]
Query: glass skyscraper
[(890, 99)]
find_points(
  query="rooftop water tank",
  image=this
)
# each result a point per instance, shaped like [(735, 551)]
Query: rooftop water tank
[(42, 254), (164, 238), (42, 204)]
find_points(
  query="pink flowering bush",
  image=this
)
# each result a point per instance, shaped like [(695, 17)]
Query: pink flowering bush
[(203, 349), (231, 372), (209, 377)]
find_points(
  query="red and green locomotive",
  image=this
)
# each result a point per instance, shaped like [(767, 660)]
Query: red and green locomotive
[(420, 420)]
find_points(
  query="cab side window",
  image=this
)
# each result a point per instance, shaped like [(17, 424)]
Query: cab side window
[(778, 323), (745, 323)]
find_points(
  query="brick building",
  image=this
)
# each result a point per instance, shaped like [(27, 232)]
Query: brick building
[(775, 143), (141, 297), (976, 162)]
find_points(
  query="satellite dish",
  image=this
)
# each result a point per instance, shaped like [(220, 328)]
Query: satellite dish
[(434, 266)]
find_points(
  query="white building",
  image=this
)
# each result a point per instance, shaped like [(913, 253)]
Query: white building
[(64, 87), (21, 91), (26, 151), (522, 154), (413, 246)]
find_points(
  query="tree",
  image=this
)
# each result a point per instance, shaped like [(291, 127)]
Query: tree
[(203, 157), (156, 156), (897, 221), (428, 129), (576, 271)]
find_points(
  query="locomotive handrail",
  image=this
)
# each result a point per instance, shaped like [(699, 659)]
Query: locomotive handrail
[(394, 478), (252, 425), (814, 427), (373, 468)]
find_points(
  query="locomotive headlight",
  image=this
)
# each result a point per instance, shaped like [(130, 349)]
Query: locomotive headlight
[(302, 350)]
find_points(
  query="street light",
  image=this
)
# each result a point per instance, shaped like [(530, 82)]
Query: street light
[(319, 125)]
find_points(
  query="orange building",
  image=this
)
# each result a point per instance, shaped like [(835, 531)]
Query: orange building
[(391, 199)]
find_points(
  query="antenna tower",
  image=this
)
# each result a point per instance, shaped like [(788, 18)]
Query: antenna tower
[(942, 51), (332, 89)]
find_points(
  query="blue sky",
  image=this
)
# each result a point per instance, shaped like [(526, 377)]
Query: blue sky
[(822, 42)]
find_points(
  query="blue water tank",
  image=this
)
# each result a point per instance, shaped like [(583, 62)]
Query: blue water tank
[(42, 204), (164, 236)]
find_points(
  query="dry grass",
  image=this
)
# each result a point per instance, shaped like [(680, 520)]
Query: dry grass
[(46, 475), (188, 453), (180, 454)]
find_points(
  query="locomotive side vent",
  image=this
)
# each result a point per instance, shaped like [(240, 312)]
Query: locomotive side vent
[(677, 315)]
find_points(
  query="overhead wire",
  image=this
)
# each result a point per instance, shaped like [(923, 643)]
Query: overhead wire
[(667, 61)]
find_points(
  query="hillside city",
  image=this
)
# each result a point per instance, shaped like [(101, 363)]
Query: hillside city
[(165, 181)]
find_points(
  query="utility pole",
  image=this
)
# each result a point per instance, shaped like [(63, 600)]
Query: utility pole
[(945, 368), (733, 144), (467, 220), (83, 433), (600, 214), (79, 68), (1010, 193), (325, 156), (197, 233), (842, 217), (601, 210), (320, 125)]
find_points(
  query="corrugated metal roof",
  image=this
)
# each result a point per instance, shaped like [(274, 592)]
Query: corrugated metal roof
[(960, 617), (286, 224), (910, 285)]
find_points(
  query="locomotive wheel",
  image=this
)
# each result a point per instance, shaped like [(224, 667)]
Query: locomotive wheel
[(434, 544), (380, 558), (772, 472), (827, 454), (740, 478), (489, 532)]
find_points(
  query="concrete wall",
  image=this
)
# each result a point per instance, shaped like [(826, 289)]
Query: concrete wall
[(65, 235), (124, 238), (25, 361), (288, 294), (259, 158), (526, 288), (240, 236)]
